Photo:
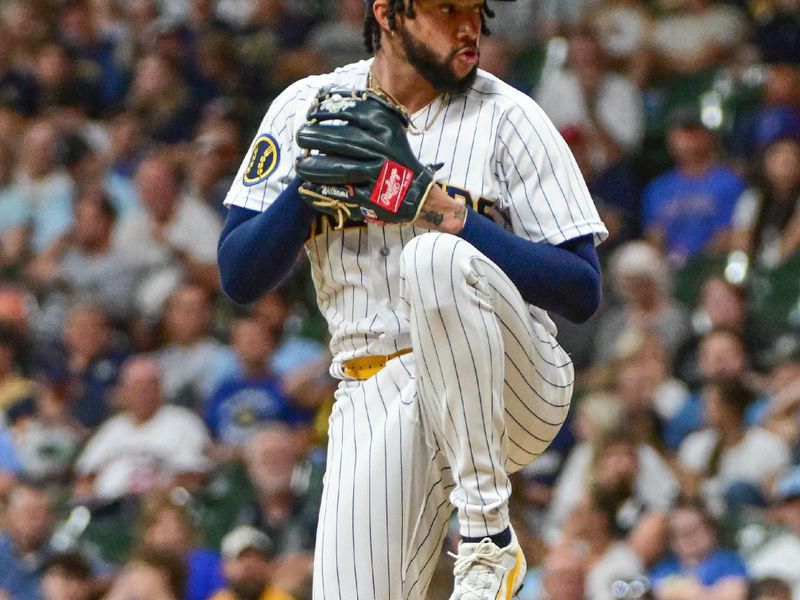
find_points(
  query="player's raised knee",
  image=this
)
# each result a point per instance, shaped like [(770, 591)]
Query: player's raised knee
[(422, 252)]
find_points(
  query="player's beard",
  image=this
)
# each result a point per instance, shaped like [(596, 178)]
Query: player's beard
[(434, 70)]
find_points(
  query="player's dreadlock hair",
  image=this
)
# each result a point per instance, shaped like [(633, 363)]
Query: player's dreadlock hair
[(372, 31)]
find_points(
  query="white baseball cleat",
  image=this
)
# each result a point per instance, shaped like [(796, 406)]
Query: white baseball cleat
[(485, 572)]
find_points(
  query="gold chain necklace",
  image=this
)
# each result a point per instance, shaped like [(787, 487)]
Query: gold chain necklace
[(375, 85)]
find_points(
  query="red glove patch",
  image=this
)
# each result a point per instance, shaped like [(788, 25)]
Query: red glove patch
[(392, 186)]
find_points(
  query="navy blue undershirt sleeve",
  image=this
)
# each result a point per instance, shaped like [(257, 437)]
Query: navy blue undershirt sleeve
[(564, 279), (257, 250)]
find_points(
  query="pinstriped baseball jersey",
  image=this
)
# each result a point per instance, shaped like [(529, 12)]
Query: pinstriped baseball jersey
[(499, 152)]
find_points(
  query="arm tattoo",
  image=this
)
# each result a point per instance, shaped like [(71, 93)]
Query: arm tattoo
[(435, 218)]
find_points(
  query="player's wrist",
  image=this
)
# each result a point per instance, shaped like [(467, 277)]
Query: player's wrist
[(442, 213)]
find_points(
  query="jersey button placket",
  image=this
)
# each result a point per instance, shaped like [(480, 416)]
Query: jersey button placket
[(379, 251)]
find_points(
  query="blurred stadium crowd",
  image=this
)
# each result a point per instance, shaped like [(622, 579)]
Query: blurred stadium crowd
[(157, 441)]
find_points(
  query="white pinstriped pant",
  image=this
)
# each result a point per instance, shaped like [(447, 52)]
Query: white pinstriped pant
[(483, 393)]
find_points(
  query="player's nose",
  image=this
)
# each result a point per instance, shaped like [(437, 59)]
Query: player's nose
[(469, 27)]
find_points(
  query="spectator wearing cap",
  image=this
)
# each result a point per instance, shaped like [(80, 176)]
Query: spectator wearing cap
[(727, 463), (766, 222), (605, 105), (780, 555), (146, 446), (27, 524), (643, 282), (687, 211), (249, 566), (697, 567)]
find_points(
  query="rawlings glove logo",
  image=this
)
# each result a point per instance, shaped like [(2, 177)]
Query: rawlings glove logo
[(391, 186)]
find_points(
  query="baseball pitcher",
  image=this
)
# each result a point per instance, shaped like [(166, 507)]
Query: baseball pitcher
[(443, 217)]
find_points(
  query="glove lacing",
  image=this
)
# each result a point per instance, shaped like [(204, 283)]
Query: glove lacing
[(342, 210)]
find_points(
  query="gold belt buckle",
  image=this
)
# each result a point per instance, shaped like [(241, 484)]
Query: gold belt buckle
[(364, 367)]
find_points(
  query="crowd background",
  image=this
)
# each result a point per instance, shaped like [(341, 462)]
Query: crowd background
[(158, 441)]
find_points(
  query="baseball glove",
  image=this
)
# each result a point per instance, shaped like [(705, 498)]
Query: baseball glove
[(358, 164)]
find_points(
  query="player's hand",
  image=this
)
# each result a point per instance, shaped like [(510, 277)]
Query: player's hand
[(358, 163)]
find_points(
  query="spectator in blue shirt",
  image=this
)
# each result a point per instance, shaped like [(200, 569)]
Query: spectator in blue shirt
[(243, 403), (697, 568), (688, 210), (24, 547)]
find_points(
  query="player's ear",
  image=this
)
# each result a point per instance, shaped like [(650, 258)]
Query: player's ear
[(380, 8)]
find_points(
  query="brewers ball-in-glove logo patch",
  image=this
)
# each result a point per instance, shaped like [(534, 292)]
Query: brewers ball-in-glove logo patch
[(263, 161)]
